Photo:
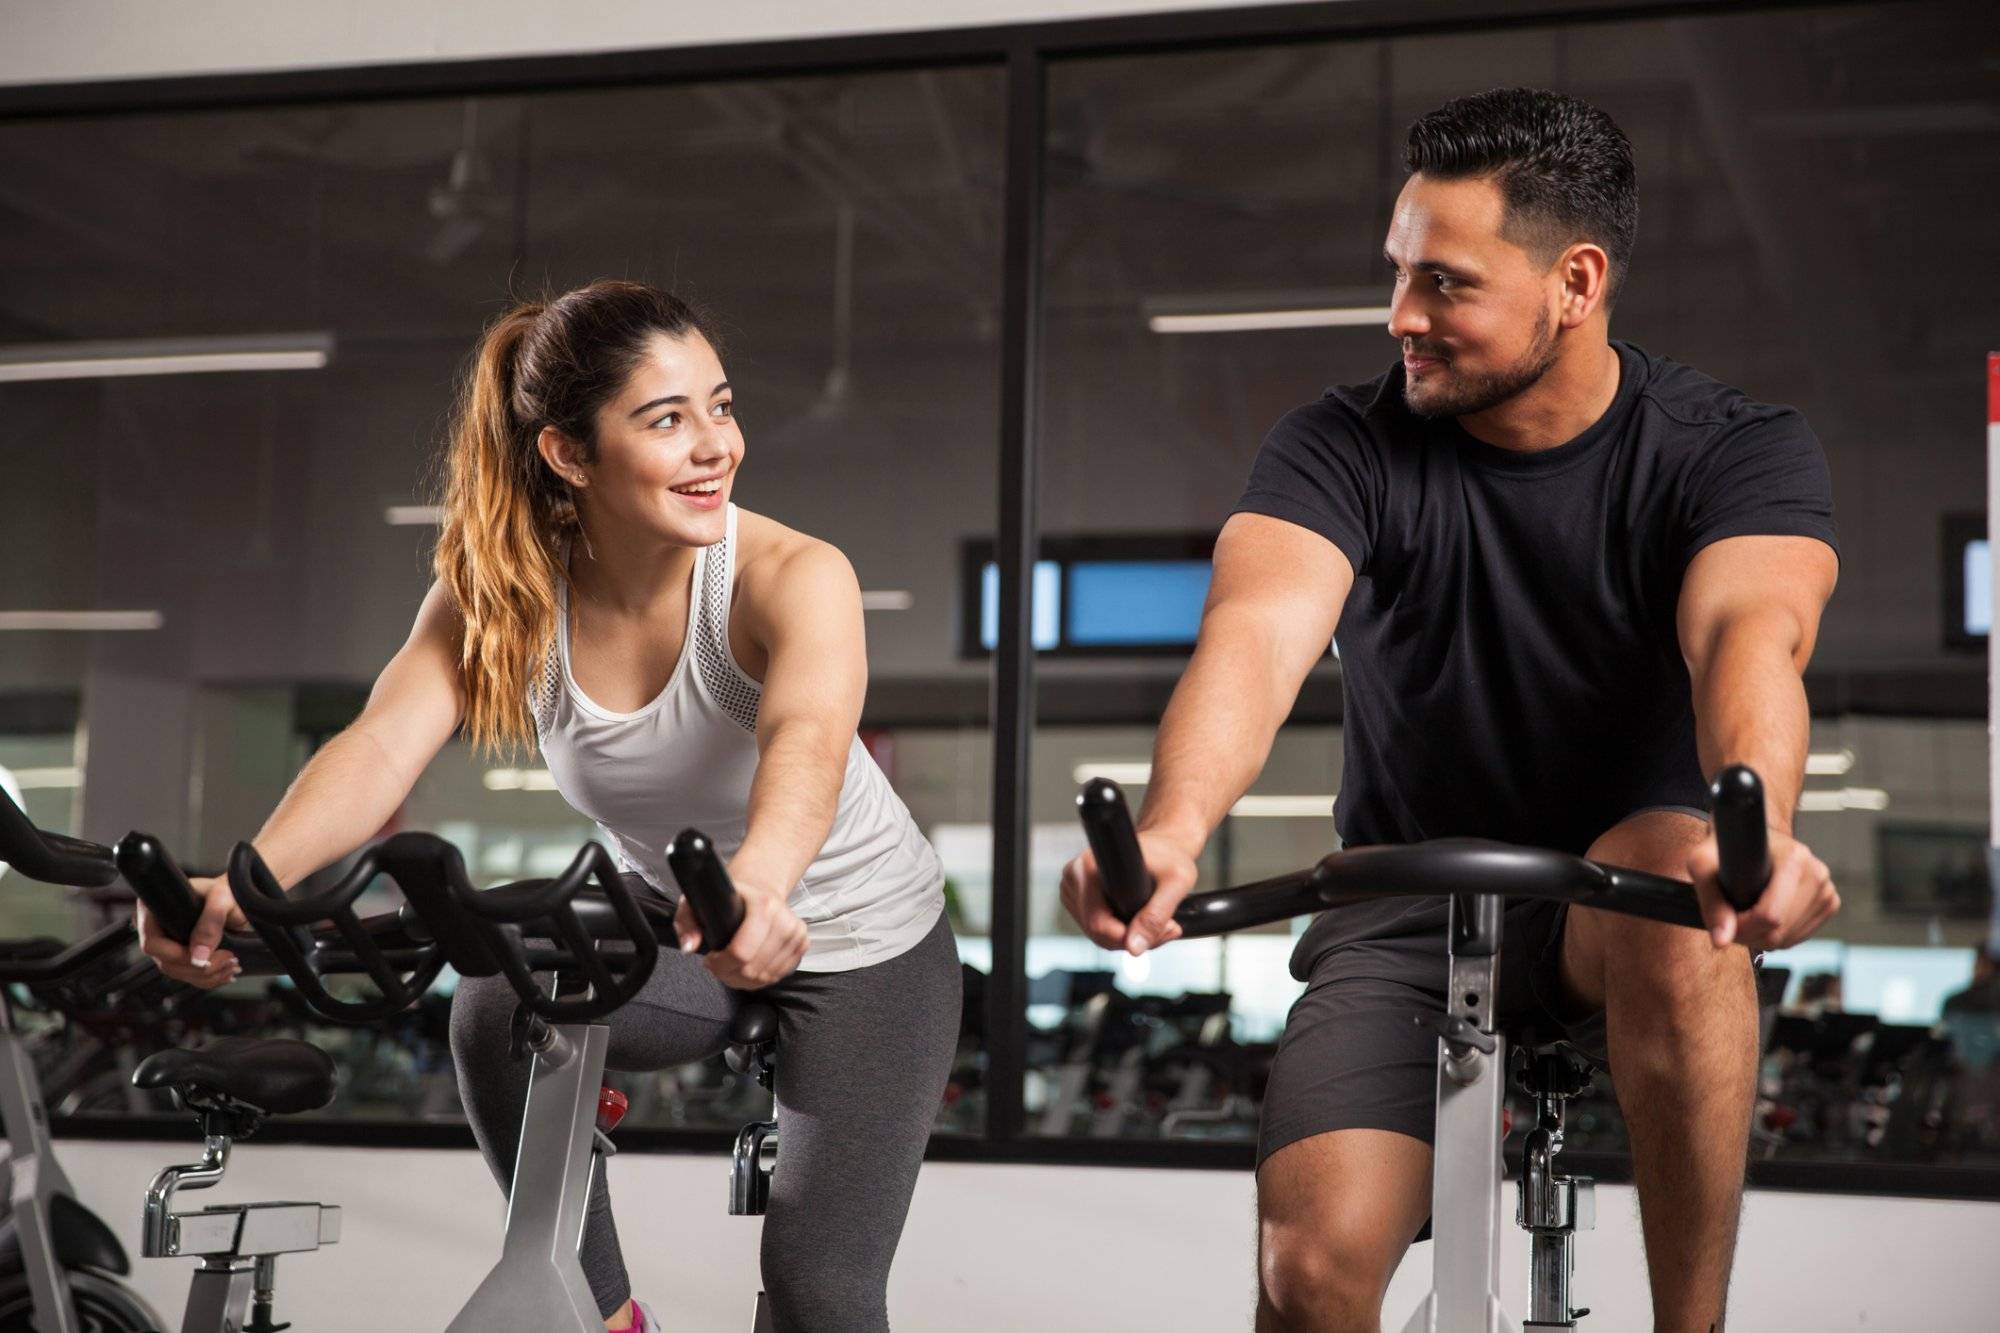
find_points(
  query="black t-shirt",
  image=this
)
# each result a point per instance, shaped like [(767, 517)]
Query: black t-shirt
[(1508, 651)]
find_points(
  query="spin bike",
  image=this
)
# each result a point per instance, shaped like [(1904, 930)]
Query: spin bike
[(1477, 876), (62, 1266), (594, 940)]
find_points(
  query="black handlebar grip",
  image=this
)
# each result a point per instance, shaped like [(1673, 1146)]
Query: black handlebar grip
[(50, 857), (1742, 839), (160, 883), (717, 907), (1107, 823)]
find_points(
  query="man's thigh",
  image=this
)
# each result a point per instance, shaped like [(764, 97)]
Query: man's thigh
[(1344, 1205), (1344, 1143)]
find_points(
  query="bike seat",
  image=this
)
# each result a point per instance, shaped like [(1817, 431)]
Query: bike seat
[(271, 1075), (755, 1023)]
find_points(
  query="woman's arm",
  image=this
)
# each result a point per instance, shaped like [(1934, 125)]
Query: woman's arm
[(801, 605), (358, 779), (798, 607), (349, 789)]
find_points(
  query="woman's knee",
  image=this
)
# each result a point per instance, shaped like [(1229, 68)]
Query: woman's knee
[(482, 1020)]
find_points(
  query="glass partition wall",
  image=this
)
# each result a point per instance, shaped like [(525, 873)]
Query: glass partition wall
[(838, 229), (884, 247), (1214, 228)]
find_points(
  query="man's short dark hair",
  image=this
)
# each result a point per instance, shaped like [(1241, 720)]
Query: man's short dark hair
[(1563, 167)]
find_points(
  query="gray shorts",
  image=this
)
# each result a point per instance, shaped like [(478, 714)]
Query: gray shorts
[(1352, 1055)]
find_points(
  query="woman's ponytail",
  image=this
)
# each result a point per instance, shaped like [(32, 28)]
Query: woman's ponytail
[(498, 541)]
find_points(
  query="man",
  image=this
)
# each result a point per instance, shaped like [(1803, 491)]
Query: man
[(1570, 579)]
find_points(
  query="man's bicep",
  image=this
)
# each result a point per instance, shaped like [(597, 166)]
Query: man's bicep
[(1785, 580), (1290, 580)]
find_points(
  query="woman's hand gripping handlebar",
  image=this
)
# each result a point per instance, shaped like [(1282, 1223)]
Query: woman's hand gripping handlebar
[(186, 923), (750, 939)]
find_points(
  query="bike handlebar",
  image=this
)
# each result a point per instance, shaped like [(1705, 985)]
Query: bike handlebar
[(51, 857), (718, 908), (1742, 838), (1435, 868), (445, 920)]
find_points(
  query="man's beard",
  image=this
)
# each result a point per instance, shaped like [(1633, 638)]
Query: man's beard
[(1463, 395)]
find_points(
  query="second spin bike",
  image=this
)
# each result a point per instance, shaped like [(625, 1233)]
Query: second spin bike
[(1473, 1050)]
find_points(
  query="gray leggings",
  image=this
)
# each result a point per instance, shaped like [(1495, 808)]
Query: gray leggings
[(862, 1061)]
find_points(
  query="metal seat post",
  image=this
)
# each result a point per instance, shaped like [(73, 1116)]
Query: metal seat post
[(755, 1155), (238, 1244), (1553, 1207)]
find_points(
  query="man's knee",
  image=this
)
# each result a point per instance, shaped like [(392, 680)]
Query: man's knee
[(1335, 1214), (1669, 969), (1313, 1280), (1663, 976)]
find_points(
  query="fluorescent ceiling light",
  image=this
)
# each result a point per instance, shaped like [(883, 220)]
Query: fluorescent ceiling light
[(1284, 807), (164, 356), (414, 516), (1247, 321), (1847, 798), (1124, 772), (81, 620), (891, 599), (1831, 764), (519, 779)]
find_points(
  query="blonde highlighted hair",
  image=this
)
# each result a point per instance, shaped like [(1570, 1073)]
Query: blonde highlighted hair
[(506, 515)]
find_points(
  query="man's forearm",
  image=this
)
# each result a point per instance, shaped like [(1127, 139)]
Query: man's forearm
[(1215, 736), (1750, 708), (342, 797)]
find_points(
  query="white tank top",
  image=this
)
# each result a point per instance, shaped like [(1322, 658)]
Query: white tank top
[(686, 760)]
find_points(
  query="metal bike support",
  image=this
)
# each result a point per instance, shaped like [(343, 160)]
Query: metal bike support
[(538, 1282), (34, 1181), (1467, 1170)]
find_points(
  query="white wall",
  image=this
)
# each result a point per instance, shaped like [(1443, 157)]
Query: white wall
[(49, 41), (1052, 1249)]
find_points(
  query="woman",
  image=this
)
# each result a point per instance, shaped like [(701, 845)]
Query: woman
[(679, 662)]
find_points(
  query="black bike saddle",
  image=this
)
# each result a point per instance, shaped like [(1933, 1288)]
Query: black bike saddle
[(272, 1075)]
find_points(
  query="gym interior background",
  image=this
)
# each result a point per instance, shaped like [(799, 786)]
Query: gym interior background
[(949, 250)]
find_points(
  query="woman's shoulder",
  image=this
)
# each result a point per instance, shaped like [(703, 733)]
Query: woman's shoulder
[(768, 552)]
